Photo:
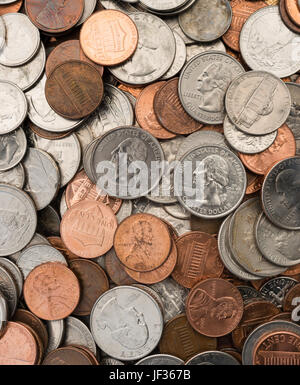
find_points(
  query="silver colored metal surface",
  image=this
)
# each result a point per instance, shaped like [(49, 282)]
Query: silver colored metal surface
[(12, 149), (56, 331), (14, 176), (163, 6), (3, 313), (213, 358), (197, 48), (63, 205), (8, 289), (2, 33), (124, 211), (89, 7), (15, 272), (161, 359), (177, 211), (36, 240), (77, 333), (293, 120), (275, 289), (179, 60), (48, 222)]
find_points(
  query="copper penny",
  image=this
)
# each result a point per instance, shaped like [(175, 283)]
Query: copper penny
[(145, 115), (213, 127), (28, 318), (254, 183), (241, 11), (68, 50), (74, 89), (234, 353), (82, 188), (54, 16), (298, 80), (286, 18), (57, 242), (210, 226), (116, 270), (11, 8), (134, 91), (169, 110), (288, 299), (255, 314), (93, 283), (198, 258), (283, 147), (182, 341), (18, 346), (142, 242), (277, 348), (257, 284), (293, 11), (159, 274), (87, 229), (47, 134), (214, 307), (68, 355), (88, 353), (109, 37), (51, 291), (39, 343), (282, 317), (292, 271)]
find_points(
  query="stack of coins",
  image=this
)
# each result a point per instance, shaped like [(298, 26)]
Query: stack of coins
[(105, 259)]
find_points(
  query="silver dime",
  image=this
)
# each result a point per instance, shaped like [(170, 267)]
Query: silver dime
[(137, 145), (194, 49), (201, 138), (13, 107), (17, 219), (48, 222), (77, 333), (206, 20), (161, 359), (293, 120), (63, 207), (177, 11), (163, 6), (14, 176), (212, 358), (2, 37), (280, 194), (8, 288), (124, 211), (3, 313), (36, 240), (203, 84), (22, 40), (126, 323), (27, 74), (36, 255), (267, 44), (179, 60), (153, 294), (258, 102), (155, 52), (248, 293), (177, 211), (228, 258), (242, 241), (279, 246), (12, 149), (247, 144), (269, 327), (55, 334), (42, 115), (42, 177), (66, 152), (89, 7), (215, 183), (15, 272), (173, 297), (276, 289)]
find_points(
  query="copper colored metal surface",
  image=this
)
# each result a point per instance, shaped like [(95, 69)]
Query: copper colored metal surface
[(294, 292), (59, 245), (170, 113), (11, 8), (82, 188), (198, 259), (54, 16), (145, 114), (88, 228), (293, 11), (47, 134), (214, 307), (109, 37), (93, 283), (74, 89), (134, 91), (286, 18), (68, 50), (283, 147), (254, 183), (142, 242), (68, 355), (210, 226), (51, 291), (116, 270)]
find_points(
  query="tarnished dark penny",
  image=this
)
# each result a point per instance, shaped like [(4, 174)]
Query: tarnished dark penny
[(57, 242), (210, 226), (54, 16), (68, 50), (47, 134), (93, 283), (286, 18), (181, 340), (214, 307), (39, 343), (82, 188), (282, 317), (134, 91), (254, 182), (255, 314), (169, 110), (87, 352), (292, 271), (294, 292), (198, 258), (11, 8), (74, 89), (116, 270), (28, 318), (68, 355)]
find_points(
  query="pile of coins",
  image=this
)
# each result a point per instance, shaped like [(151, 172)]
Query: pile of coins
[(92, 276)]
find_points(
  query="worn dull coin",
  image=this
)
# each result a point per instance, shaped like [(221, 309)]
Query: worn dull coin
[(288, 303), (262, 30), (177, 211), (48, 221), (179, 60), (167, 6), (263, 103), (15, 272), (206, 20), (276, 288), (116, 270), (67, 355), (14, 176), (88, 9), (213, 358), (12, 149), (109, 37), (203, 84), (9, 290), (161, 359), (293, 121), (249, 294), (280, 194), (3, 314), (155, 52), (126, 323), (77, 333), (22, 40)]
